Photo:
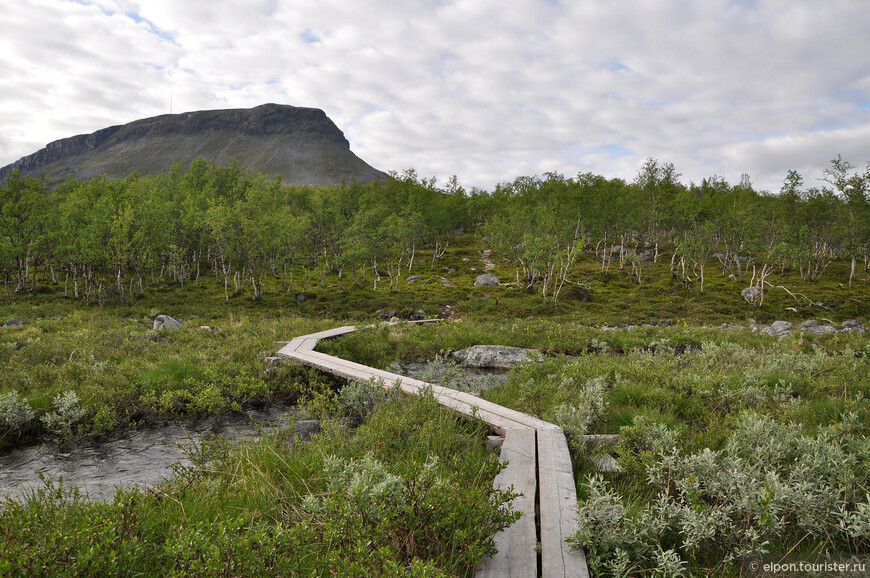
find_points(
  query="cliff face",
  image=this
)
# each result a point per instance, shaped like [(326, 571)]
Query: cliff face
[(301, 144)]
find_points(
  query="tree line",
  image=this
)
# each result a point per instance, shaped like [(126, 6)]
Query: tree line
[(101, 239)]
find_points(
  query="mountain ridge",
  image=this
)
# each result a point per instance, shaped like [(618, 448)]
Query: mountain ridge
[(302, 145)]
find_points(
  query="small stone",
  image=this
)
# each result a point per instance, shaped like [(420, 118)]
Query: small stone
[(778, 329), (487, 280), (820, 329), (166, 322), (417, 315)]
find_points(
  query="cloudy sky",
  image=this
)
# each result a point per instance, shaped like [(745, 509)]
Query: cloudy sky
[(485, 89)]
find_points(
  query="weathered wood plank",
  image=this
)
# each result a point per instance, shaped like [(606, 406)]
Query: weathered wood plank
[(516, 545), (467, 404), (558, 507), (545, 459)]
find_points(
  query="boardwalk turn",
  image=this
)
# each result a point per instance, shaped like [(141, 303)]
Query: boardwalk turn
[(539, 466)]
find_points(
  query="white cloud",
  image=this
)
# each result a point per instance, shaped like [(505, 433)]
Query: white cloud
[(467, 87)]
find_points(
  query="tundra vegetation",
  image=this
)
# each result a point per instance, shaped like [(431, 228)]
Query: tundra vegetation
[(733, 443)]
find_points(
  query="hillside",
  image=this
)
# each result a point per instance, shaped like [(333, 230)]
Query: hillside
[(301, 144)]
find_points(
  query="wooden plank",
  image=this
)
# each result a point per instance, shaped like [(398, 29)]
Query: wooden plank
[(331, 332), (291, 347), (537, 451), (516, 544), (465, 403), (558, 507)]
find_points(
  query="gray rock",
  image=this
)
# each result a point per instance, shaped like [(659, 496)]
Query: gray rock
[(15, 322), (417, 315), (778, 329), (496, 356), (166, 322), (730, 326), (487, 280), (751, 294), (852, 323), (820, 329), (413, 278), (810, 323), (387, 316)]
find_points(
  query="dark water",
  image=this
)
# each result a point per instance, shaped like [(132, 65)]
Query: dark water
[(137, 457)]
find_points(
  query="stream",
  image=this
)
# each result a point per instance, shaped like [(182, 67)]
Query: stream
[(135, 457), (145, 456)]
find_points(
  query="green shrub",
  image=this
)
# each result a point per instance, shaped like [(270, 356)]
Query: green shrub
[(770, 488), (67, 412)]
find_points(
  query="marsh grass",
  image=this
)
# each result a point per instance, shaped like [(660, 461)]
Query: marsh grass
[(412, 496)]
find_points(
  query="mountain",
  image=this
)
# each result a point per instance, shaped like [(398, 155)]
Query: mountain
[(301, 144)]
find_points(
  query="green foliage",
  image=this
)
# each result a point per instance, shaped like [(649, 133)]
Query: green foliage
[(67, 412), (770, 488), (15, 414), (340, 504)]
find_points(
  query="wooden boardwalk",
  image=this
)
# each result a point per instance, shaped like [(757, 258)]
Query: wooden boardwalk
[(539, 466)]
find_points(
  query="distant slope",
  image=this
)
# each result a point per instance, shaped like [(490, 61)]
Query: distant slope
[(301, 144)]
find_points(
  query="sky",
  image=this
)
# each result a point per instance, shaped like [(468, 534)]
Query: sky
[(487, 90)]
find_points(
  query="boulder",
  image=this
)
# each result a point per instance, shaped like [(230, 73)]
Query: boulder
[(494, 356), (166, 322), (487, 280), (413, 278), (417, 315), (751, 294), (852, 323), (778, 329), (810, 323), (820, 329), (15, 322)]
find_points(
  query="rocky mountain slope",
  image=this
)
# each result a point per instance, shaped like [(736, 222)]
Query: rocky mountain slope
[(301, 144)]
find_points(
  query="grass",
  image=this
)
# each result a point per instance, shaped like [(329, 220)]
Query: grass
[(409, 493), (284, 507)]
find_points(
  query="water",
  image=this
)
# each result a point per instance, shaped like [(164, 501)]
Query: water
[(146, 456), (138, 457)]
